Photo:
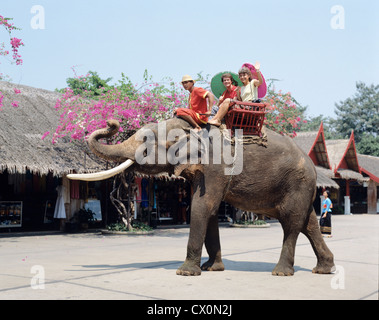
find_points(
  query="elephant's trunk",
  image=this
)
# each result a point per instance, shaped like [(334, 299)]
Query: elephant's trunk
[(117, 153), (123, 153)]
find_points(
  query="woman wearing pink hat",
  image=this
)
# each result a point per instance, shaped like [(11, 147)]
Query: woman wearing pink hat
[(248, 92)]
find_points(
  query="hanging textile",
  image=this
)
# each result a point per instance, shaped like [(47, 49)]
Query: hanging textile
[(144, 193), (60, 211), (155, 194), (66, 194), (75, 193), (138, 191)]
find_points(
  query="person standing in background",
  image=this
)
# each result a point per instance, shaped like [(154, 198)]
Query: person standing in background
[(326, 215)]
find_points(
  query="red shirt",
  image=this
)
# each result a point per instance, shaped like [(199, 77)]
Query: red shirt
[(230, 94), (198, 102)]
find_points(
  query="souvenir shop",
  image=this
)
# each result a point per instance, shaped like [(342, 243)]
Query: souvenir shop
[(166, 200), (162, 200), (30, 202)]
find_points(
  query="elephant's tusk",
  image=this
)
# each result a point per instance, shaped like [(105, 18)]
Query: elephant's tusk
[(103, 174)]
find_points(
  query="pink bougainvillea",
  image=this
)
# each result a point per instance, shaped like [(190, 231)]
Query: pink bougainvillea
[(14, 42), (45, 135), (284, 113), (1, 100), (81, 115), (15, 45), (15, 104)]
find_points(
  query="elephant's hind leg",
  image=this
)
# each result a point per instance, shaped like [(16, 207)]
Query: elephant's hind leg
[(325, 261), (285, 265), (292, 218), (212, 244)]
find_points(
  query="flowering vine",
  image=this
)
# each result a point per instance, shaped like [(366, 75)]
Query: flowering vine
[(284, 113), (81, 114), (15, 43)]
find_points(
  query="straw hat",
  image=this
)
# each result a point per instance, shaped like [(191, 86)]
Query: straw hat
[(187, 78)]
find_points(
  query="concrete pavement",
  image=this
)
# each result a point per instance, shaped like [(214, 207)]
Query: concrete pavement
[(96, 266)]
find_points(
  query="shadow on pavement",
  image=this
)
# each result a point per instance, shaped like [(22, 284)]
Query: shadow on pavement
[(175, 264)]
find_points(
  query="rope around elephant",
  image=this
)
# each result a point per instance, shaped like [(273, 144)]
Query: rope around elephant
[(246, 139)]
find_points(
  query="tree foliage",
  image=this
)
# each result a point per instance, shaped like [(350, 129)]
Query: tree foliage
[(361, 114), (90, 85), (369, 145)]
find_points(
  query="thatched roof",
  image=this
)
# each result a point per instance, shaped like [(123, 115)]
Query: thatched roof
[(324, 178), (336, 149), (351, 175), (343, 153), (313, 144), (305, 140), (338, 155), (369, 166), (21, 129), (343, 159)]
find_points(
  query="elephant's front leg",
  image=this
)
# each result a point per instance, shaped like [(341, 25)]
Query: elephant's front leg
[(208, 192), (203, 209), (198, 228)]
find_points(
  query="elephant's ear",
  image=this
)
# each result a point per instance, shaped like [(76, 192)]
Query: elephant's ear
[(194, 156), (193, 173), (188, 171)]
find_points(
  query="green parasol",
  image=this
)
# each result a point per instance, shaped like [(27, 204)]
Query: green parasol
[(217, 86)]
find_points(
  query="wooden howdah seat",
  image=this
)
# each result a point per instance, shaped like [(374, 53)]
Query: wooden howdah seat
[(247, 116)]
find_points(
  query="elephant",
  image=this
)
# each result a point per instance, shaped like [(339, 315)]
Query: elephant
[(277, 180)]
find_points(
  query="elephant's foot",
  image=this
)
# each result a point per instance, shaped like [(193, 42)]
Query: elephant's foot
[(189, 269), (326, 268), (213, 266), (280, 270)]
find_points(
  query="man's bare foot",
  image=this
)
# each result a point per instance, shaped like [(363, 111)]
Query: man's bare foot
[(215, 122)]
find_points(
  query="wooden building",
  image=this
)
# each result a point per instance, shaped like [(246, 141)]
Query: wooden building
[(313, 144), (354, 187), (369, 166), (31, 169)]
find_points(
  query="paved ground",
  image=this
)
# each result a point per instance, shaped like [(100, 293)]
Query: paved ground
[(94, 266)]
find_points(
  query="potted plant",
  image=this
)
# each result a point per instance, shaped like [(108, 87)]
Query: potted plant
[(85, 216)]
